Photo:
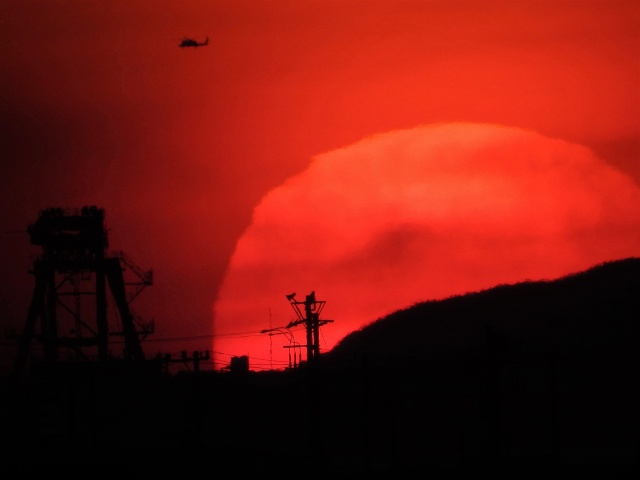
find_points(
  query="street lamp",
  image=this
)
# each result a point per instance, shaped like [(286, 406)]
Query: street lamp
[(289, 336)]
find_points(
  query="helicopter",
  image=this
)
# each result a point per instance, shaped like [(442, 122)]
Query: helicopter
[(189, 42)]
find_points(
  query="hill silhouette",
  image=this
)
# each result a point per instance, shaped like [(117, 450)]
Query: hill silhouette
[(594, 312), (534, 378)]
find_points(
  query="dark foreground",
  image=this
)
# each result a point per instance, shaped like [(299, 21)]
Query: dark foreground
[(527, 417)]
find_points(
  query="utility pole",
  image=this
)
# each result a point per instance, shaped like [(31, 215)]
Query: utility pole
[(311, 319), (185, 359)]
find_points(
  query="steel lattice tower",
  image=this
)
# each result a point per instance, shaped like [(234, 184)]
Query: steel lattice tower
[(73, 276)]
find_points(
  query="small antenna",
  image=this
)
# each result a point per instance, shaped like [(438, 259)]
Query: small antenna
[(270, 343)]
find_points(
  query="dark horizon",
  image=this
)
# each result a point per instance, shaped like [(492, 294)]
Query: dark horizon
[(185, 359), (528, 379)]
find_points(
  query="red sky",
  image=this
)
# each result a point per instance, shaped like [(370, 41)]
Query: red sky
[(180, 146)]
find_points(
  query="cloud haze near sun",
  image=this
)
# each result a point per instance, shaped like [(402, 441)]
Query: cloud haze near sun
[(420, 214)]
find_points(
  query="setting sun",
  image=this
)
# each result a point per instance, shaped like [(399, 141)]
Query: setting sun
[(415, 215)]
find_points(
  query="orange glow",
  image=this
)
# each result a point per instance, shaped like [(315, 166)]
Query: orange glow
[(420, 214)]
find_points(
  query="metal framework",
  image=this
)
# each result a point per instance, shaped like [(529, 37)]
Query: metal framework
[(73, 276), (311, 319)]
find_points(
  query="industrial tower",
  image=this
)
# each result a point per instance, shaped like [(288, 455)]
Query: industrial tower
[(73, 275)]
